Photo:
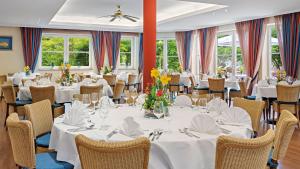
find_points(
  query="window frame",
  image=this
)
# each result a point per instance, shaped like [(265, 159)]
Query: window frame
[(66, 38), (133, 54), (165, 51)]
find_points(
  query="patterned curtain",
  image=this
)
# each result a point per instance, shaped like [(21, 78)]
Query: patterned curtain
[(141, 54), (99, 47), (207, 40), (112, 40), (31, 40), (288, 27), (183, 42)]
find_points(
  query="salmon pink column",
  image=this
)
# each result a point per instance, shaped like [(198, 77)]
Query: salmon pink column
[(149, 40)]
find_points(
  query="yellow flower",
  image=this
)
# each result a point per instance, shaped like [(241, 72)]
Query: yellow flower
[(68, 66), (165, 79), (154, 73)]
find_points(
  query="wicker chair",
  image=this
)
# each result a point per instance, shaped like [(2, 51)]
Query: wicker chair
[(44, 93), (287, 99), (216, 86), (11, 100), (113, 155), (22, 142), (174, 85), (140, 82), (111, 80), (283, 134), (40, 115), (254, 109), (235, 153), (91, 89), (194, 86), (131, 81), (3, 79), (118, 91)]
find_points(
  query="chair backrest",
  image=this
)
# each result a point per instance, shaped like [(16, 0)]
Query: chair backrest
[(235, 153), (9, 93), (175, 79), (216, 84), (42, 93), (283, 133), (132, 79), (288, 93), (254, 109), (183, 100), (111, 79), (40, 115), (114, 155), (3, 78), (193, 81), (243, 88), (21, 138), (118, 90), (91, 89)]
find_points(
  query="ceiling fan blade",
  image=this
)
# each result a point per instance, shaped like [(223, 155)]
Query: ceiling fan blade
[(132, 16), (114, 18), (126, 17)]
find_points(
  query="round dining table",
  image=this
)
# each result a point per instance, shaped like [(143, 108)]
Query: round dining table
[(173, 149)]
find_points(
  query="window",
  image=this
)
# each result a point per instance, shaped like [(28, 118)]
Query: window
[(126, 52), (57, 49), (160, 54), (173, 61), (229, 55), (274, 49)]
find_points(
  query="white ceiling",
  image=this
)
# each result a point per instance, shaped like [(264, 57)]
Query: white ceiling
[(172, 15)]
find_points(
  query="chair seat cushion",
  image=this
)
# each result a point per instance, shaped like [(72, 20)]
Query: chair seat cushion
[(43, 140), (48, 161), (251, 97), (22, 102)]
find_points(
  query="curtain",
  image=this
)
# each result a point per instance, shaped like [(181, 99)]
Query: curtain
[(141, 54), (112, 40), (288, 27), (207, 40), (99, 47), (31, 40), (183, 42), (251, 35)]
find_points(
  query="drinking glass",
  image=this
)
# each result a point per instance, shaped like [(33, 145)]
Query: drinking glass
[(134, 95), (195, 97), (168, 118), (203, 103), (126, 95), (86, 100), (103, 113), (95, 99)]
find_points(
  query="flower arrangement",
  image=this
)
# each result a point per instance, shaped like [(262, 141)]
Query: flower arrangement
[(26, 70), (157, 92), (66, 77), (106, 69), (280, 75), (221, 72)]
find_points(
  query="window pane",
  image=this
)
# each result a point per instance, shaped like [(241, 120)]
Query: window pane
[(52, 51), (125, 52), (173, 62), (79, 59), (159, 53), (224, 51), (79, 51), (239, 66), (275, 53)]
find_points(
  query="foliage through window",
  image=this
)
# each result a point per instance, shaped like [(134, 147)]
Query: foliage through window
[(173, 61), (275, 53), (126, 52), (159, 54), (59, 49), (166, 55)]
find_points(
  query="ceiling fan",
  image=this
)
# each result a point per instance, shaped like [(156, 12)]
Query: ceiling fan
[(119, 14)]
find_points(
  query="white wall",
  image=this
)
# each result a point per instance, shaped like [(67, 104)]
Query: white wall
[(12, 61)]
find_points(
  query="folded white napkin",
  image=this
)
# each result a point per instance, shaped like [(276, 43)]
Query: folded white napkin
[(235, 115), (131, 128), (76, 115), (106, 101), (204, 123), (217, 105), (102, 81), (183, 100), (87, 81)]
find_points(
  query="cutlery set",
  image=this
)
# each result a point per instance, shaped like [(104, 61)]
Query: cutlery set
[(187, 132), (155, 135)]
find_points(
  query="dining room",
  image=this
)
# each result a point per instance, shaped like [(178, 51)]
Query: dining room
[(149, 84)]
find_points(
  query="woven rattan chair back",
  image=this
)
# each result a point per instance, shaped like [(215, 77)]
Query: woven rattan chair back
[(283, 133), (9, 93), (235, 153), (254, 109), (21, 138), (42, 93), (243, 88), (132, 79), (288, 93), (91, 89), (118, 90), (193, 81), (111, 79), (174, 83), (216, 84), (40, 115), (3, 79), (113, 155)]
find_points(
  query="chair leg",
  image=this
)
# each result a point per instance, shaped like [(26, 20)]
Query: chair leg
[(7, 113)]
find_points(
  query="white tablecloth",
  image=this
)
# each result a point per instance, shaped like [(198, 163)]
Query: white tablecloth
[(18, 77), (62, 93), (232, 84), (173, 150), (264, 91)]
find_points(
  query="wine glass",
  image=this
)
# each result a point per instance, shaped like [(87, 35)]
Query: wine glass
[(203, 103), (134, 95), (168, 118), (95, 99), (126, 95), (103, 113), (86, 100), (195, 97)]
